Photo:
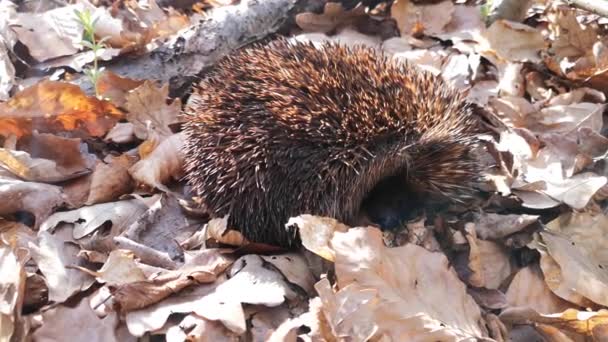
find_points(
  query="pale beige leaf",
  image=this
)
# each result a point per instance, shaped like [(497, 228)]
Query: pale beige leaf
[(12, 286), (528, 289), (573, 275), (433, 18), (316, 233), (119, 269), (295, 268), (375, 279), (164, 163), (515, 42), (53, 256), (121, 133), (87, 219), (488, 262)]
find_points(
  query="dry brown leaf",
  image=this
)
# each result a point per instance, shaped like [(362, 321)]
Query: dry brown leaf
[(87, 219), (250, 282), (119, 269), (411, 18), (165, 162), (12, 287), (76, 324), (295, 268), (588, 323), (316, 233), (148, 110), (568, 37), (48, 158), (196, 328), (8, 39), (514, 42), (333, 17), (37, 198), (121, 133), (488, 262), (466, 23), (56, 106), (375, 279), (111, 179), (589, 232), (490, 226), (163, 227), (140, 294), (570, 273), (53, 256), (116, 88), (528, 289)]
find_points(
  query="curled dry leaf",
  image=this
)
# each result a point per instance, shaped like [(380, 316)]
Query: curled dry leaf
[(8, 40), (120, 268), (37, 198), (430, 19), (77, 324), (250, 282), (295, 268), (196, 328), (491, 226), (373, 280), (140, 294), (528, 289), (12, 287), (56, 106), (148, 110), (316, 233), (54, 256), (489, 262), (116, 88), (87, 219), (514, 42), (162, 227), (110, 179), (587, 323), (48, 159), (165, 162), (333, 17)]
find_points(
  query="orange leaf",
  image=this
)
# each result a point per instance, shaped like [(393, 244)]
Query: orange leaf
[(56, 106)]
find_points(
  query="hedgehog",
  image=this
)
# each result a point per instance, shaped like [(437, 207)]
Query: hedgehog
[(287, 128)]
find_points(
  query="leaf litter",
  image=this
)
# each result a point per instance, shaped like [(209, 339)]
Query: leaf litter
[(97, 225)]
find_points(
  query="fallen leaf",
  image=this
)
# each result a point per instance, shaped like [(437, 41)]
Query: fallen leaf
[(489, 262), (7, 42), (121, 133), (78, 324), (110, 179), (12, 287), (164, 163), (120, 268), (37, 198), (432, 18), (571, 274), (295, 268), (196, 328), (583, 322), (56, 106), (116, 88), (515, 42), (528, 289), (491, 226), (374, 280), (140, 294), (316, 233), (53, 256), (148, 110), (333, 17), (87, 219), (48, 158)]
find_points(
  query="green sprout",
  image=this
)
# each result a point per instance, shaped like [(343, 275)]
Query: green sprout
[(89, 41)]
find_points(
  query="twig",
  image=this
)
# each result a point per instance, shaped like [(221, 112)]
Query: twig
[(599, 7)]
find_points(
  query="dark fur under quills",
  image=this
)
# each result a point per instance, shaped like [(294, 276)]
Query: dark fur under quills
[(279, 130)]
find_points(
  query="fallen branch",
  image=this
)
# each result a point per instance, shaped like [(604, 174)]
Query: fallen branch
[(200, 46), (599, 7)]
